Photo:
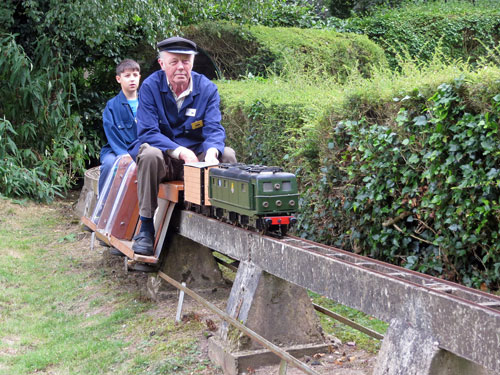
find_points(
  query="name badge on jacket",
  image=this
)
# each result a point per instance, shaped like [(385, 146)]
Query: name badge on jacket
[(197, 124), (191, 112)]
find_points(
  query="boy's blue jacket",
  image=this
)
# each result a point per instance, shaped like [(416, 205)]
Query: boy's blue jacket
[(196, 126), (119, 126)]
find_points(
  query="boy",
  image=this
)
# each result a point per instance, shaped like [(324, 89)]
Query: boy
[(119, 117)]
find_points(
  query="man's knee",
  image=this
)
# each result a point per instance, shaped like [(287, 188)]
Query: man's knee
[(229, 155), (149, 154)]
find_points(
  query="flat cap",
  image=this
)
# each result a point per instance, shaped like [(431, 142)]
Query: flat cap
[(177, 44)]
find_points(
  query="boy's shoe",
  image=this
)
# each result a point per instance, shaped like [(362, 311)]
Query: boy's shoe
[(143, 244), (116, 252), (102, 243)]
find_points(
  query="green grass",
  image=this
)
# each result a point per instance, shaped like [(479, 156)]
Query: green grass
[(345, 332), (61, 314)]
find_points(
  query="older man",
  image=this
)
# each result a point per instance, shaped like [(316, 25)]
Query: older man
[(178, 121)]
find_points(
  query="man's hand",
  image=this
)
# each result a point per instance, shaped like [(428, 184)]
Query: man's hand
[(188, 156), (211, 156)]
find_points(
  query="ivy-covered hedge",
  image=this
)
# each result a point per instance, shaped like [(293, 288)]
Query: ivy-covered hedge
[(240, 51), (420, 188), (459, 29), (404, 168)]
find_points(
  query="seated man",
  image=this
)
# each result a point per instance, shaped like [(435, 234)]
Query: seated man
[(178, 121)]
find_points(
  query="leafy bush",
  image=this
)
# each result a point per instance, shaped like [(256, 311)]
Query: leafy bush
[(460, 29), (272, 13), (270, 121), (41, 141), (347, 8)]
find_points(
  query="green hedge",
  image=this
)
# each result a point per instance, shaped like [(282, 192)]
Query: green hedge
[(459, 29), (401, 167), (241, 51), (270, 121)]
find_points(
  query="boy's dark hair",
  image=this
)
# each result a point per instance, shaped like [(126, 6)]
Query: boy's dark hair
[(127, 64)]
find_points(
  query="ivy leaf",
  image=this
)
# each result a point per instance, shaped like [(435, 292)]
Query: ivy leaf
[(413, 159), (420, 120)]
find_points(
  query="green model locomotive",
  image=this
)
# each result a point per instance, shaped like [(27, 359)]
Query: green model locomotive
[(253, 196)]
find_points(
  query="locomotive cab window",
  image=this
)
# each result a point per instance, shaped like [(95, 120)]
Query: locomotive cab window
[(243, 188), (287, 186), (267, 187), (219, 182)]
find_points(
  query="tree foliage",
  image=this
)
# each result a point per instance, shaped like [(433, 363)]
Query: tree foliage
[(58, 60)]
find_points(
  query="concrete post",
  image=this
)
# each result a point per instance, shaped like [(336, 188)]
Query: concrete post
[(410, 349), (275, 309), (188, 261)]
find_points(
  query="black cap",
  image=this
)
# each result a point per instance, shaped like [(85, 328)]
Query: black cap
[(177, 44)]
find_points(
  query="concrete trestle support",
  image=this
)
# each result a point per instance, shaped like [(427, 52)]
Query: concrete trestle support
[(273, 308)]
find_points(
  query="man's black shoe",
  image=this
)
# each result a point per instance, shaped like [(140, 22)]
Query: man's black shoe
[(143, 243)]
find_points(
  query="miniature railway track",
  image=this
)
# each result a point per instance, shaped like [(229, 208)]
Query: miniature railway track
[(434, 284), (461, 320)]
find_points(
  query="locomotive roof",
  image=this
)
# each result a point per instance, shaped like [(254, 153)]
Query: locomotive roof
[(251, 168), (246, 172)]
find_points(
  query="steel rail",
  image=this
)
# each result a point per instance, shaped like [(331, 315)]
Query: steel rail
[(348, 322), (255, 336)]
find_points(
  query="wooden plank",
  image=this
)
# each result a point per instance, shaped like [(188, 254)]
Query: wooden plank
[(170, 190), (126, 248), (160, 219), (89, 223), (163, 233)]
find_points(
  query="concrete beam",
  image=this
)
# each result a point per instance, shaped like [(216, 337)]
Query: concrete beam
[(468, 331)]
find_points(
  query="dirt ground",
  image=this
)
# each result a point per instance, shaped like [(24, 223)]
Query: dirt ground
[(342, 360)]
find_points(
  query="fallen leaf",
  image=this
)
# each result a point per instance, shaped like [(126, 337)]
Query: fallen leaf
[(211, 325)]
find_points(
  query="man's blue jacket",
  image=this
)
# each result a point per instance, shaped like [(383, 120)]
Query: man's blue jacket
[(195, 126), (119, 126)]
